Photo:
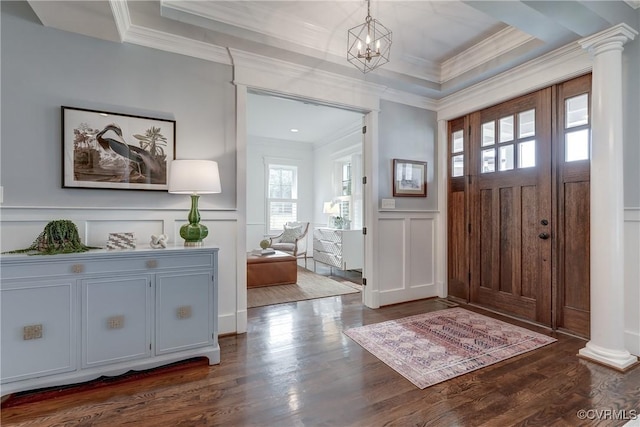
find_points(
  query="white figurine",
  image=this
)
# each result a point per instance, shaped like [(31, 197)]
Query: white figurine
[(159, 241)]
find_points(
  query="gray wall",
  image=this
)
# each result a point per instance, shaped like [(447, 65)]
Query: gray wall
[(101, 75), (631, 100), (408, 133)]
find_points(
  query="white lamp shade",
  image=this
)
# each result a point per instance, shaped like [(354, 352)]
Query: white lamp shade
[(330, 208), (194, 177)]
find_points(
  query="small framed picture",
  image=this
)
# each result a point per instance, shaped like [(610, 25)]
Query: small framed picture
[(101, 149), (409, 178)]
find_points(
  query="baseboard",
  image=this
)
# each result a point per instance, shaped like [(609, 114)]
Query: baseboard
[(632, 342)]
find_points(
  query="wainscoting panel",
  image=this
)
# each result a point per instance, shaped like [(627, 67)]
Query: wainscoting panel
[(407, 251), (421, 260), (632, 280), (20, 226), (391, 255)]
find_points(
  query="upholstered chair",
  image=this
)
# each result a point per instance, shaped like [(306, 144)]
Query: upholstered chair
[(292, 240)]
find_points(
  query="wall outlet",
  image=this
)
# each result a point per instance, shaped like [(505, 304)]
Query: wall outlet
[(388, 203)]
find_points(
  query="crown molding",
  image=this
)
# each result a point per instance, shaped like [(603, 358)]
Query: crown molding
[(234, 14), (176, 44), (561, 64), (274, 75), (633, 3), (498, 44), (121, 16), (411, 99), (339, 135)]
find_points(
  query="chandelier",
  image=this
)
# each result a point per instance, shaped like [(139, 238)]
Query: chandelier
[(369, 44)]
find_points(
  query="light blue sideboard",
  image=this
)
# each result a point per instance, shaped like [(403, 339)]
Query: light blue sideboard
[(75, 317)]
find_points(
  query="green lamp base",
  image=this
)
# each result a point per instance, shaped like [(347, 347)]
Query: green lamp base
[(194, 232)]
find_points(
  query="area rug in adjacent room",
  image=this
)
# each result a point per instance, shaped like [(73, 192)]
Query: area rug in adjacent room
[(433, 347), (309, 286)]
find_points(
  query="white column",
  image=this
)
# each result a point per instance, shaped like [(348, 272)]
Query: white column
[(607, 207)]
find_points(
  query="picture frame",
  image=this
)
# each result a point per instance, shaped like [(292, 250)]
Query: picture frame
[(106, 150), (409, 178)]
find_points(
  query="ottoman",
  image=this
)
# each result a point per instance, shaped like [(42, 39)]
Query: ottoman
[(275, 269)]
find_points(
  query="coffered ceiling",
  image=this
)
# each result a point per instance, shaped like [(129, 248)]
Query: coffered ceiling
[(439, 47)]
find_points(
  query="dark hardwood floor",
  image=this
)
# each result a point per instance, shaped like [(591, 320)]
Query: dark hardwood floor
[(295, 367)]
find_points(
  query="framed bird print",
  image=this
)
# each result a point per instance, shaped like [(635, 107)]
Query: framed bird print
[(108, 150)]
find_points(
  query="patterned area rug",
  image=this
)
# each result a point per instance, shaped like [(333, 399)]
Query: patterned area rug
[(433, 347)]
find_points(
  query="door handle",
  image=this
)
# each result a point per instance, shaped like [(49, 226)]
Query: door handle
[(544, 236)]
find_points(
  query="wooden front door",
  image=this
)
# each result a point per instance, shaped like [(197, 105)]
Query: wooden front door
[(518, 206), (510, 245)]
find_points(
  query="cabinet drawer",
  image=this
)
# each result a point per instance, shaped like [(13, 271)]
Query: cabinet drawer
[(327, 234), (326, 246), (116, 320), (184, 319), (326, 258), (37, 329), (101, 263)]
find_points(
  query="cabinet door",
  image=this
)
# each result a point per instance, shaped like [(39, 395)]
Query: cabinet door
[(116, 320), (184, 311), (38, 335)]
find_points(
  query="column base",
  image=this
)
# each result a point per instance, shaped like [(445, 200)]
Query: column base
[(620, 360)]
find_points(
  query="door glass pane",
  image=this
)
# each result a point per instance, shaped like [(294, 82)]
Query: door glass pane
[(488, 133), (488, 160), (527, 154), (576, 145), (457, 142), (506, 129), (506, 157), (457, 165), (577, 110), (526, 123)]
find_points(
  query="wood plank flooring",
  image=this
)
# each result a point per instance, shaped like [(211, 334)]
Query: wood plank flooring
[(295, 367)]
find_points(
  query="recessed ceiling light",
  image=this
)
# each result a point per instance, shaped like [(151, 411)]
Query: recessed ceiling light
[(294, 130)]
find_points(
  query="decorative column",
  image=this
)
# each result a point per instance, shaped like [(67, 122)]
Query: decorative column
[(607, 207)]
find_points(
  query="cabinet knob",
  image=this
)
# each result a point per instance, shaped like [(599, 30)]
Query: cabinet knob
[(115, 322), (152, 263), (77, 268), (184, 312)]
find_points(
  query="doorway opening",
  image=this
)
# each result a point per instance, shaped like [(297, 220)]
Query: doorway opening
[(304, 167)]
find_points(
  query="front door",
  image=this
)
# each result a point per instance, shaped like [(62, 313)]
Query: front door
[(510, 207), (518, 206)]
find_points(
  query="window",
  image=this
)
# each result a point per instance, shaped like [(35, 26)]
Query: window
[(346, 179), (520, 155), (282, 197), (457, 160), (577, 131)]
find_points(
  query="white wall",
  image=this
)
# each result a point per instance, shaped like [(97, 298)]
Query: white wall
[(325, 157)]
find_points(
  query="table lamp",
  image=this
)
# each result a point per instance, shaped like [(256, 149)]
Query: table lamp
[(332, 209), (194, 177)]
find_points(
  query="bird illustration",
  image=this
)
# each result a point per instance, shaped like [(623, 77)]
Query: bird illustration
[(110, 138)]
